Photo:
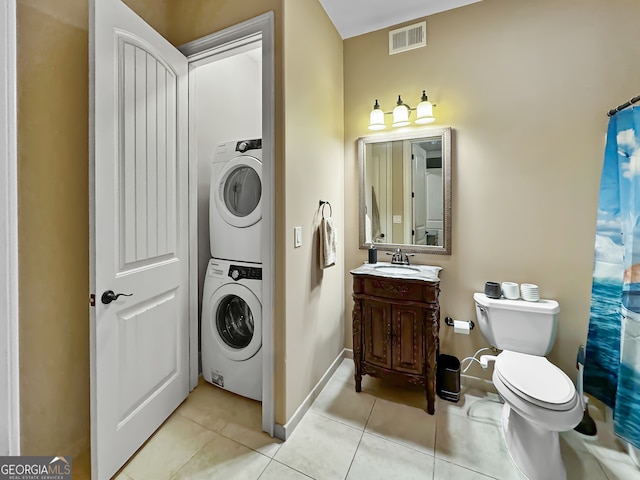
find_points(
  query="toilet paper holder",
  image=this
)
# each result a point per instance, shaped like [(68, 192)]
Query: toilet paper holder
[(449, 322)]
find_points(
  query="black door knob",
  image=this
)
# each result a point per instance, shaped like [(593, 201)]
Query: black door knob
[(109, 296)]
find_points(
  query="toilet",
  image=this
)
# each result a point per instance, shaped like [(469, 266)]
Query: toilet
[(540, 400)]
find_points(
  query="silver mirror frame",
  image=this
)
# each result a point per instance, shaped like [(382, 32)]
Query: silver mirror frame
[(445, 134)]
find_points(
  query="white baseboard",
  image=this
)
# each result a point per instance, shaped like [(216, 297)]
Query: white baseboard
[(284, 431)]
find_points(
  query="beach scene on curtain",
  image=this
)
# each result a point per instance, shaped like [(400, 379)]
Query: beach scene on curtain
[(612, 370)]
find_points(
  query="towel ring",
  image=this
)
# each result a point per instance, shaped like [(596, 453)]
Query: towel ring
[(322, 203)]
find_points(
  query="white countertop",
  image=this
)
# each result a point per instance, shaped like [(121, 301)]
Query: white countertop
[(427, 273)]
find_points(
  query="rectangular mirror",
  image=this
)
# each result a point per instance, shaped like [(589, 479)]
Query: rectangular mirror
[(405, 191)]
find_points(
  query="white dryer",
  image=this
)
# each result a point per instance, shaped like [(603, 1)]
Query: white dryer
[(235, 202), (232, 327)]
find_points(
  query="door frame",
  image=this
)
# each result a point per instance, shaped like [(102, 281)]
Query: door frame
[(9, 330), (407, 187), (198, 51)]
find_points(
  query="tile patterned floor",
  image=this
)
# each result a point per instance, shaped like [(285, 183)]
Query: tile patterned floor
[(381, 433)]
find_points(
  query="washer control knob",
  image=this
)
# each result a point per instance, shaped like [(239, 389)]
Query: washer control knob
[(235, 274), (243, 146)]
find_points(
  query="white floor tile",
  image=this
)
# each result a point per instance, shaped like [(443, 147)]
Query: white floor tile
[(345, 372), (121, 476), (252, 437), (278, 471), (400, 439), (223, 459), (449, 471), (476, 404), (473, 444), (213, 407), (377, 458), (339, 401), (320, 447), (608, 447), (579, 463), (168, 450), (403, 424), (397, 392), (619, 470)]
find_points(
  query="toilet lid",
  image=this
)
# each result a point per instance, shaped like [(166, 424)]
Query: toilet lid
[(536, 377)]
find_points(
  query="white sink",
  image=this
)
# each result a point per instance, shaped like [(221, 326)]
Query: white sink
[(396, 269)]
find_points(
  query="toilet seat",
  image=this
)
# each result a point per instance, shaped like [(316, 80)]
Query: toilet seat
[(536, 380), (552, 420)]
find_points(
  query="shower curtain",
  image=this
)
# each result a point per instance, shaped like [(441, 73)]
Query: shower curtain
[(612, 370)]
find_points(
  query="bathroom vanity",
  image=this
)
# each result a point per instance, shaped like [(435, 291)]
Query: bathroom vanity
[(396, 320)]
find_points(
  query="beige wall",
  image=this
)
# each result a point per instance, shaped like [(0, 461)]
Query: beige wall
[(53, 226), (313, 83), (196, 18), (156, 13), (526, 87)]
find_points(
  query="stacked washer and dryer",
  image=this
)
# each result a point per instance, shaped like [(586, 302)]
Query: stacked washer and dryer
[(232, 294)]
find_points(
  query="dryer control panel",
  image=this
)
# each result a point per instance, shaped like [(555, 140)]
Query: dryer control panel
[(237, 272), (244, 145)]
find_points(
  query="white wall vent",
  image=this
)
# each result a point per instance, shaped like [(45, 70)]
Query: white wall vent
[(408, 38)]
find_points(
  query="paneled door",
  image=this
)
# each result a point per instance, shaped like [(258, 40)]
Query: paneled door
[(376, 327), (139, 233), (407, 345)]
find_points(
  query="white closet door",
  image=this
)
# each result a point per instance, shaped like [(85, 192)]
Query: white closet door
[(139, 233)]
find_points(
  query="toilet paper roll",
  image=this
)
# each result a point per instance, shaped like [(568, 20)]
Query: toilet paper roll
[(461, 326)]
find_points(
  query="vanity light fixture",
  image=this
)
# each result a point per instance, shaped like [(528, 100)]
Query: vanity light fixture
[(424, 114), (400, 114), (376, 118)]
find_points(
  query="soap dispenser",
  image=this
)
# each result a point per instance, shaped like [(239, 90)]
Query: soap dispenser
[(373, 253)]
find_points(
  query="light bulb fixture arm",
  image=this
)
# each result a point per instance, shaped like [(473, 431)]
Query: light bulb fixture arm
[(410, 109)]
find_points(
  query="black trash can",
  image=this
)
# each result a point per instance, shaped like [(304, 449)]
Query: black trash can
[(448, 378)]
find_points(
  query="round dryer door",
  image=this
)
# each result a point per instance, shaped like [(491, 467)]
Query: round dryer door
[(236, 321), (239, 195)]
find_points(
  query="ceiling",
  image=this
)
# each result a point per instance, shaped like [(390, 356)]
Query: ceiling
[(356, 17)]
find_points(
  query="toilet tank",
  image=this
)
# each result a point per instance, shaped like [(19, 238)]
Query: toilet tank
[(518, 325)]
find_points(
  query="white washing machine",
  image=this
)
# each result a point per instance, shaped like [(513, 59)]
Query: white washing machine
[(232, 327), (235, 202)]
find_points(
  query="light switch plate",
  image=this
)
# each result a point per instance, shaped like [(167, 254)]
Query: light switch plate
[(397, 219), (297, 237)]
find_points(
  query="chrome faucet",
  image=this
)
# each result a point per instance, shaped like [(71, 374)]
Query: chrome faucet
[(399, 258)]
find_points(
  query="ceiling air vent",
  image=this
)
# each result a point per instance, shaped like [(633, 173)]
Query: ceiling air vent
[(408, 38)]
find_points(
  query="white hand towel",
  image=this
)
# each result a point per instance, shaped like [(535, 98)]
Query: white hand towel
[(327, 243)]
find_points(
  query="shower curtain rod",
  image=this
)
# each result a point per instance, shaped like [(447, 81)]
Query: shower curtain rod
[(623, 106)]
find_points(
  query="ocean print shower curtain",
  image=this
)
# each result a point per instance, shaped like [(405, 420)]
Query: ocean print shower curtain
[(612, 370)]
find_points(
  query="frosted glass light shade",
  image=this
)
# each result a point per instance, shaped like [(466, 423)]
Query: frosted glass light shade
[(424, 110), (400, 114), (376, 118)]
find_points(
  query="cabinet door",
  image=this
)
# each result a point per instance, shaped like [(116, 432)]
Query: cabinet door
[(408, 339), (376, 333)]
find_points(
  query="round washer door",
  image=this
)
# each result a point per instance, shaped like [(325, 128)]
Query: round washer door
[(235, 321), (239, 193)]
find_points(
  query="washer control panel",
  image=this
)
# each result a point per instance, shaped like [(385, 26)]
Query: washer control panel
[(237, 272), (244, 145)]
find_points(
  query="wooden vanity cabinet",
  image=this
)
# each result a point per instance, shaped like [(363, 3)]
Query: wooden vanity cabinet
[(395, 331)]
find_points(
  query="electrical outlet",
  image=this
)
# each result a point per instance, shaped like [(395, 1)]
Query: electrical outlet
[(397, 219), (297, 237)]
